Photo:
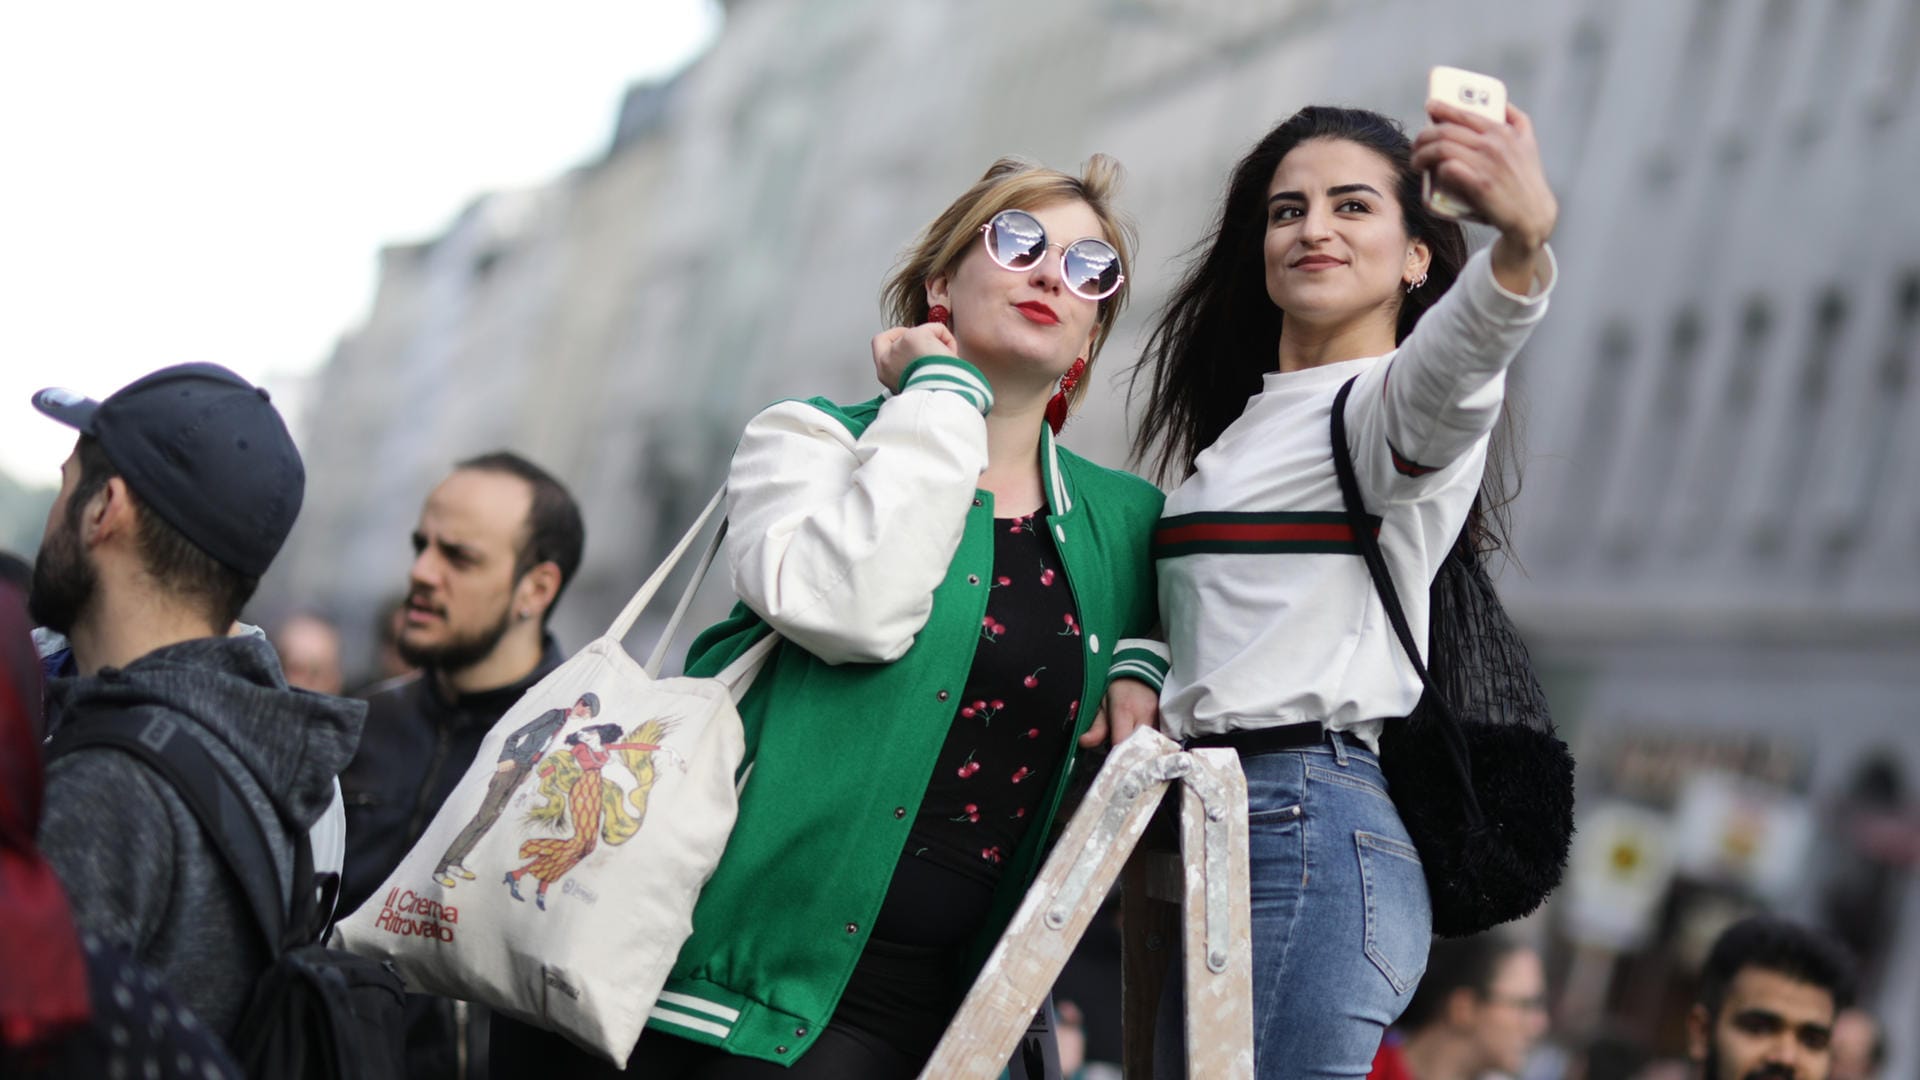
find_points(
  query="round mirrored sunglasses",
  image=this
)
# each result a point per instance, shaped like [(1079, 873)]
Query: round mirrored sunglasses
[(1089, 267)]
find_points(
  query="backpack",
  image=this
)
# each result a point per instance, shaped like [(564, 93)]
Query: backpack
[(317, 1013), (1481, 778)]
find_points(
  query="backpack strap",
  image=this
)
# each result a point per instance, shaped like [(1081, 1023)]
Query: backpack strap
[(1369, 542), (209, 791)]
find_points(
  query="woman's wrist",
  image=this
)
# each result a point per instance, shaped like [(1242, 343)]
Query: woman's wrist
[(1515, 260)]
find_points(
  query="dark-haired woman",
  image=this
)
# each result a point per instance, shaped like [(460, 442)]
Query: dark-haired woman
[(1326, 267)]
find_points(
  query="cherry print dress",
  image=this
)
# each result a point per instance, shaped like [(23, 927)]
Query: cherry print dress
[(1008, 737)]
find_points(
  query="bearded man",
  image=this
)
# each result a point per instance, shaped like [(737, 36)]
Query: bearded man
[(1768, 997), (497, 543)]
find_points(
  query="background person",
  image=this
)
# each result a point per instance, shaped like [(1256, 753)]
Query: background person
[(1859, 1046), (156, 540), (497, 542), (309, 648), (1479, 1009), (1769, 995)]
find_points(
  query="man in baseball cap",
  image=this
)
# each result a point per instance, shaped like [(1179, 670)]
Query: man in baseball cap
[(178, 494)]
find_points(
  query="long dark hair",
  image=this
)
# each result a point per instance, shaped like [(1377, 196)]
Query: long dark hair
[(1220, 332)]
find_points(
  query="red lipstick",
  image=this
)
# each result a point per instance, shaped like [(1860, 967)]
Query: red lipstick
[(1038, 312)]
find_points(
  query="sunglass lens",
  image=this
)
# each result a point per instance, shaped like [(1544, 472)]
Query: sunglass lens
[(1092, 268), (1016, 240)]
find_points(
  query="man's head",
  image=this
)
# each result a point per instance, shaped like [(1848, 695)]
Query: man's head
[(587, 706), (309, 649), (183, 484), (1485, 995), (1859, 1046), (496, 545), (1768, 997)]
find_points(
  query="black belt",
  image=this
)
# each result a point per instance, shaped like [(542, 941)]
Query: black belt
[(1270, 740)]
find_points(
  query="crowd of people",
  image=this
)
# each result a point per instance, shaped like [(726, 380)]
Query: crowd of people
[(967, 613)]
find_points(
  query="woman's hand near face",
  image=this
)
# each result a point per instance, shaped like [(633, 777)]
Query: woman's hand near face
[(1495, 167), (894, 349)]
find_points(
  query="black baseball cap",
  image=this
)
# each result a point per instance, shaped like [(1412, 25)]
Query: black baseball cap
[(204, 449)]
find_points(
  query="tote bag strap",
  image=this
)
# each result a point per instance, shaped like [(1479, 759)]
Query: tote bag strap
[(1369, 544), (623, 622)]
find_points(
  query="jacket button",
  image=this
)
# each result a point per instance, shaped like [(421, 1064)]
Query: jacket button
[(977, 502), (973, 579), (1093, 643), (942, 695), (799, 1033), (853, 928), (779, 1049), (899, 811)]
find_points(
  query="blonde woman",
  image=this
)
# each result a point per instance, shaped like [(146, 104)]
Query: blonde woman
[(955, 592)]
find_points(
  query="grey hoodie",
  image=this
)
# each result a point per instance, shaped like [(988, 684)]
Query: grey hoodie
[(135, 862)]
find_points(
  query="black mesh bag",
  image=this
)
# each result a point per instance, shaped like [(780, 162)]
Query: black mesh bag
[(1482, 782)]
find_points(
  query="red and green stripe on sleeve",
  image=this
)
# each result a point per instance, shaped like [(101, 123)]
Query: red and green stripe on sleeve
[(1274, 533)]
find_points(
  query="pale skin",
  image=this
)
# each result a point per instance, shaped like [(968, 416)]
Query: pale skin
[(466, 545), (1338, 256), (130, 615), (1476, 1033), (1023, 359)]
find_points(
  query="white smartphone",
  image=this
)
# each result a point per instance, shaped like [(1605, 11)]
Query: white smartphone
[(1476, 93)]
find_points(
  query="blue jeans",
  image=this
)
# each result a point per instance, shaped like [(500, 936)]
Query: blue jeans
[(1341, 920)]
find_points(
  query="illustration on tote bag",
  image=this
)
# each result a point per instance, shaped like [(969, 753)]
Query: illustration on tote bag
[(575, 786), (518, 755)]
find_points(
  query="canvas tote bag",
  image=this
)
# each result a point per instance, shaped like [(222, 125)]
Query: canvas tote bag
[(557, 882)]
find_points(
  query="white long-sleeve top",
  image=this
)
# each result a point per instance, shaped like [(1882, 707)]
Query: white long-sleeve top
[(1270, 614)]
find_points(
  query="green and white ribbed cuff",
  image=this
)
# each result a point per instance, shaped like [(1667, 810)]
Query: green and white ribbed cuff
[(1141, 658), (949, 373)]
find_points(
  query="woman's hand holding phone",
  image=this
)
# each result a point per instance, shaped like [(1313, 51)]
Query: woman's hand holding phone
[(1494, 168)]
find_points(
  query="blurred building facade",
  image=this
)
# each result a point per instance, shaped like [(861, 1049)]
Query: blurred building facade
[(1719, 531)]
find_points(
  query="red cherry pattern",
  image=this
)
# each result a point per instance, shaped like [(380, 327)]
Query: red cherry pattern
[(981, 807)]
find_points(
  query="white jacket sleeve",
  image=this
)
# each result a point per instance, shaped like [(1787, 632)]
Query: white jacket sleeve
[(1425, 409), (839, 542)]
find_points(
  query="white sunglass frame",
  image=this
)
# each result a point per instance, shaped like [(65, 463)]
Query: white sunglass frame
[(986, 240)]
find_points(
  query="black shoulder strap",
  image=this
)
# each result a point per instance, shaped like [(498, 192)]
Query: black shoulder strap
[(209, 792), (1390, 597)]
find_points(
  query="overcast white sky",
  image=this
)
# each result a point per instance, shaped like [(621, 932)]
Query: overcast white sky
[(200, 180)]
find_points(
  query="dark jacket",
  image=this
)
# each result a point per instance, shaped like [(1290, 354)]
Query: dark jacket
[(136, 864), (417, 746)]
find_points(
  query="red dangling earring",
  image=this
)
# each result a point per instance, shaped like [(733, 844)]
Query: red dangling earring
[(1057, 404), (939, 313)]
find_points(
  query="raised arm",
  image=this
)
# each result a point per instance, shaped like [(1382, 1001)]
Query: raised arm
[(1418, 419), (839, 540)]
